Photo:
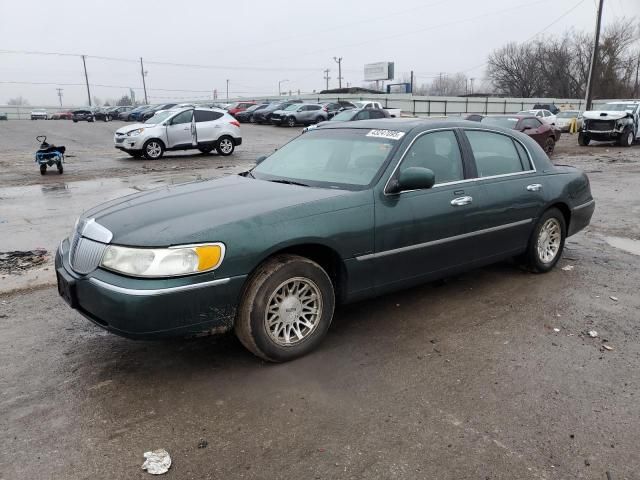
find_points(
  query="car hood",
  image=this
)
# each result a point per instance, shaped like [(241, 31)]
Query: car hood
[(605, 115), (134, 126), (183, 214)]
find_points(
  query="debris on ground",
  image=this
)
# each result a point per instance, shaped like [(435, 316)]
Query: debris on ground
[(567, 268), (592, 333), (615, 299), (157, 462), (18, 261), (556, 330), (203, 443), (607, 347)]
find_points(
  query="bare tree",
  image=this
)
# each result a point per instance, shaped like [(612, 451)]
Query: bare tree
[(18, 101), (124, 101), (448, 85)]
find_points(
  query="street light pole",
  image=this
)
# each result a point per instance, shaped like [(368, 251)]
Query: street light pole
[(594, 59), (280, 82)]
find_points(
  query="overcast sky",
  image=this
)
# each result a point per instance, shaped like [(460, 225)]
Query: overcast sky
[(256, 43)]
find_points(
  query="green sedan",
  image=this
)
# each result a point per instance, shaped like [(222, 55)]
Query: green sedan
[(340, 214)]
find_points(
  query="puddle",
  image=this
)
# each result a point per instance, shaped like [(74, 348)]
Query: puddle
[(626, 244)]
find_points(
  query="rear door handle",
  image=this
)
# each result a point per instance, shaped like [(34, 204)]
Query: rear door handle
[(458, 202), (534, 187)]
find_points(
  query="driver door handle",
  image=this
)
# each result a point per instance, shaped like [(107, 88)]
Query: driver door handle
[(534, 187), (458, 202)]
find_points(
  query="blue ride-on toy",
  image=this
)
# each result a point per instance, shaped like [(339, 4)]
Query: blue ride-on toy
[(49, 155)]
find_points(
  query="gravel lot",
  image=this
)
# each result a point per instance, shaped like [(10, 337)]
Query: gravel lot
[(465, 378)]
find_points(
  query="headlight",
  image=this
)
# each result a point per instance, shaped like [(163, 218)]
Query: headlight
[(134, 133), (163, 262)]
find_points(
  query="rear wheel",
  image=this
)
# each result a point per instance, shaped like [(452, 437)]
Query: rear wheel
[(153, 149), (225, 145), (626, 139), (549, 146), (546, 242), (583, 139), (291, 121), (320, 119), (43, 169), (286, 308)]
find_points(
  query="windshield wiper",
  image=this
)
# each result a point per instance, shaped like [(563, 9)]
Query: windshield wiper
[(289, 182)]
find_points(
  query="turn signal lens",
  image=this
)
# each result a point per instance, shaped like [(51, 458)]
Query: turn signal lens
[(209, 257)]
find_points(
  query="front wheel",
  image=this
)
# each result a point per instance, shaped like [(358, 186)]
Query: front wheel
[(153, 149), (286, 308), (546, 242), (549, 146), (225, 146), (43, 169), (60, 169), (291, 121), (626, 139), (583, 139)]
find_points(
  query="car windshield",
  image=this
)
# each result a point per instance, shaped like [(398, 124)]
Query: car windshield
[(294, 106), (620, 107), (334, 158), (342, 117), (507, 122), (159, 117), (570, 114)]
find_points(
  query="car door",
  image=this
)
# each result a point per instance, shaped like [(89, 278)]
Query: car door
[(311, 113), (511, 194), (362, 115), (207, 129), (534, 128), (181, 130), (421, 233)]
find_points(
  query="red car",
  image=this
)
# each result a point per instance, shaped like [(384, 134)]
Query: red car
[(545, 135), (62, 116), (239, 107)]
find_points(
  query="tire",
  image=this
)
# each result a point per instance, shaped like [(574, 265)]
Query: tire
[(583, 139), (551, 224), (153, 149), (225, 145), (281, 274), (206, 150), (60, 169), (627, 138), (43, 169), (320, 119), (75, 121), (291, 122), (549, 146), (91, 119)]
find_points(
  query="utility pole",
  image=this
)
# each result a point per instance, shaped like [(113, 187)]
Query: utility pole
[(86, 78), (412, 82), (227, 90), (635, 88), (144, 83), (339, 62), (60, 95), (472, 80), (594, 58), (327, 77)]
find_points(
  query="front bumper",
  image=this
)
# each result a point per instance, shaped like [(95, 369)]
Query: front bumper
[(128, 143), (150, 308)]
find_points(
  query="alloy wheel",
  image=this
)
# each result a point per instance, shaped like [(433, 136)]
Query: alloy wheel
[(225, 146), (293, 311), (154, 150), (549, 240)]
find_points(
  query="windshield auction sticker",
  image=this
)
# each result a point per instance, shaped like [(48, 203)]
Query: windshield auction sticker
[(390, 134)]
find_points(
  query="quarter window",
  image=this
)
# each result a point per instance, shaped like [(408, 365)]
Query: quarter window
[(495, 154), (439, 152), (206, 116)]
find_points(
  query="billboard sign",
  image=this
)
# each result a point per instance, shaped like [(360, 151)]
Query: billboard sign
[(378, 71)]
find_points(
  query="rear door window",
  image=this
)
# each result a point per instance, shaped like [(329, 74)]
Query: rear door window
[(495, 154)]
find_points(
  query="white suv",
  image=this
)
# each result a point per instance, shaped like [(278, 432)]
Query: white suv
[(204, 129)]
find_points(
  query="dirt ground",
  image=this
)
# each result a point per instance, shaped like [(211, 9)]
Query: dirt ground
[(488, 375)]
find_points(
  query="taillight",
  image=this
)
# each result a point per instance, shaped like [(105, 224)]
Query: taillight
[(235, 124), (325, 109)]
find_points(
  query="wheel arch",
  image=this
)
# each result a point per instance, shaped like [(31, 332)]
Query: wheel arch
[(564, 209), (158, 139)]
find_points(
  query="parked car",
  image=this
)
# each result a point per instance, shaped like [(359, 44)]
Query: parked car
[(238, 107), (617, 122), (264, 115), (344, 213), (353, 115), (247, 115), (4, 116), (117, 111), (65, 115), (39, 114), (544, 116), (294, 114), (83, 115), (147, 114), (393, 112), (544, 134), (126, 115), (547, 106), (136, 115), (181, 129), (103, 114), (333, 108), (564, 119)]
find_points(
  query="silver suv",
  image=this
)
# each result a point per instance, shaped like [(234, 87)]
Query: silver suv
[(305, 114)]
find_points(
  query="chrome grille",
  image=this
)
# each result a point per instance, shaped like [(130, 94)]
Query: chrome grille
[(85, 255)]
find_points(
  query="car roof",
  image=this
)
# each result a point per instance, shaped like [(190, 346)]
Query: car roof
[(399, 124), (511, 115)]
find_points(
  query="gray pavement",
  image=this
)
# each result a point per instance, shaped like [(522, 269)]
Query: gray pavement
[(465, 378)]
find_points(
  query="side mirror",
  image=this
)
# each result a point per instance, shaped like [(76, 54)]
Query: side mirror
[(261, 159), (413, 178)]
